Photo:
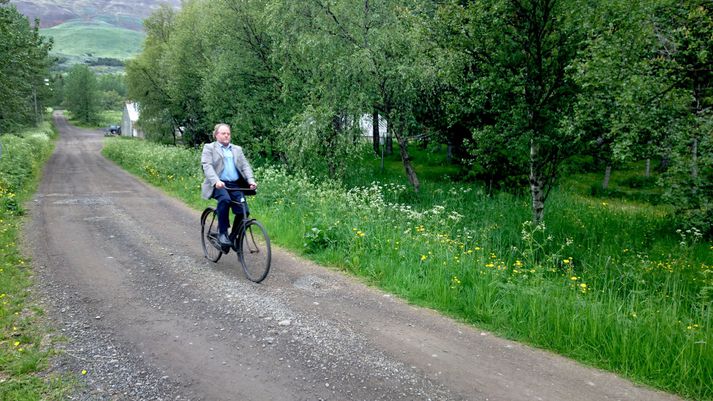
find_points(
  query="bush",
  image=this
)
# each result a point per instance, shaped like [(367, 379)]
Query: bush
[(639, 182), (22, 155)]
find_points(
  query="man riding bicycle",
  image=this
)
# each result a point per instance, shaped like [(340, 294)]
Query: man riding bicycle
[(225, 166)]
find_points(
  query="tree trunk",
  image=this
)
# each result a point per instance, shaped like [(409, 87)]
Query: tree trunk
[(389, 143), (449, 151), (607, 176), (694, 159), (410, 172), (375, 137), (648, 167), (537, 186)]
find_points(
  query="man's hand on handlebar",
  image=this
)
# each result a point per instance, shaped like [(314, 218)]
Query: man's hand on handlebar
[(220, 184)]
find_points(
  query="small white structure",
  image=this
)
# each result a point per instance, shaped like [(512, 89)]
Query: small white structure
[(129, 120), (366, 124)]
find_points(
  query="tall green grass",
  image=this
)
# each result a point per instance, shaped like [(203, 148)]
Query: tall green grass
[(606, 282), (22, 354)]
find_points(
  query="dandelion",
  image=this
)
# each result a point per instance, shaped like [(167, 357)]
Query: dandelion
[(583, 288), (455, 281), (574, 278), (423, 257), (84, 371), (518, 263), (16, 343)]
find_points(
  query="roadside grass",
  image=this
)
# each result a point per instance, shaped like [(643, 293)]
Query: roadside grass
[(110, 117), (104, 119), (607, 281), (23, 356)]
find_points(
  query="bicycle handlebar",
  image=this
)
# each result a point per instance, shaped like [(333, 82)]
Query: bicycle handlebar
[(245, 191)]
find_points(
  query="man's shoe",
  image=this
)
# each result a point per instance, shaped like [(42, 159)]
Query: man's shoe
[(224, 240)]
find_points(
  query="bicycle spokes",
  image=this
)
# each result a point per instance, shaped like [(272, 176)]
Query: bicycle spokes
[(209, 235), (255, 253)]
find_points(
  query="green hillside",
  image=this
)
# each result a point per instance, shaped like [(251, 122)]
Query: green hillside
[(94, 39)]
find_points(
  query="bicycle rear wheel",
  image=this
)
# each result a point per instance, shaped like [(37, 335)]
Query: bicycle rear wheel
[(255, 254), (209, 235)]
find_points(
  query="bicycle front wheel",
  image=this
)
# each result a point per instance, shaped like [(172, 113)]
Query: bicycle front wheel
[(209, 235), (255, 254)]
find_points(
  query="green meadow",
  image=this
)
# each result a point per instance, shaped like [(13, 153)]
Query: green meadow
[(81, 39), (605, 281)]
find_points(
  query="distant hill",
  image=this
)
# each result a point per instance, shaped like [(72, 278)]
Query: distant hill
[(120, 13), (94, 39), (98, 44), (101, 33)]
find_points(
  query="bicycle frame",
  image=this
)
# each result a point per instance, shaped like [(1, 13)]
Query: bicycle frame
[(237, 229)]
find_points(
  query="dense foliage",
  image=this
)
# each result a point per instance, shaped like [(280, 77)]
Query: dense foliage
[(23, 70), (81, 96), (514, 88)]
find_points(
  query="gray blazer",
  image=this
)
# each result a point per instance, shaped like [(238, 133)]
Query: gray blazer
[(212, 162)]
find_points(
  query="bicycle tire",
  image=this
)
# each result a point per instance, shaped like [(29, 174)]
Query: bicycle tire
[(254, 251), (209, 235)]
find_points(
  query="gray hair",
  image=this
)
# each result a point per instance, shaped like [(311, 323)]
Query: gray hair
[(218, 126)]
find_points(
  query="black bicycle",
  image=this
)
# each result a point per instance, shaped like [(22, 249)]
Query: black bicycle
[(249, 240)]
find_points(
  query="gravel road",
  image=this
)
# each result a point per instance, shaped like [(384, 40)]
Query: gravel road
[(121, 275)]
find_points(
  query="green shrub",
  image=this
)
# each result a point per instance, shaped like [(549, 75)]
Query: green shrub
[(639, 182)]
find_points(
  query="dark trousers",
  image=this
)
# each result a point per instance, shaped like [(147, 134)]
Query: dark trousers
[(224, 198)]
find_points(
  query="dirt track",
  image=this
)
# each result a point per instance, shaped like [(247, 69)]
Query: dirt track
[(122, 277)]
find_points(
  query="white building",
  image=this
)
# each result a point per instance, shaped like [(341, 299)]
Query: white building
[(366, 124), (129, 120)]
